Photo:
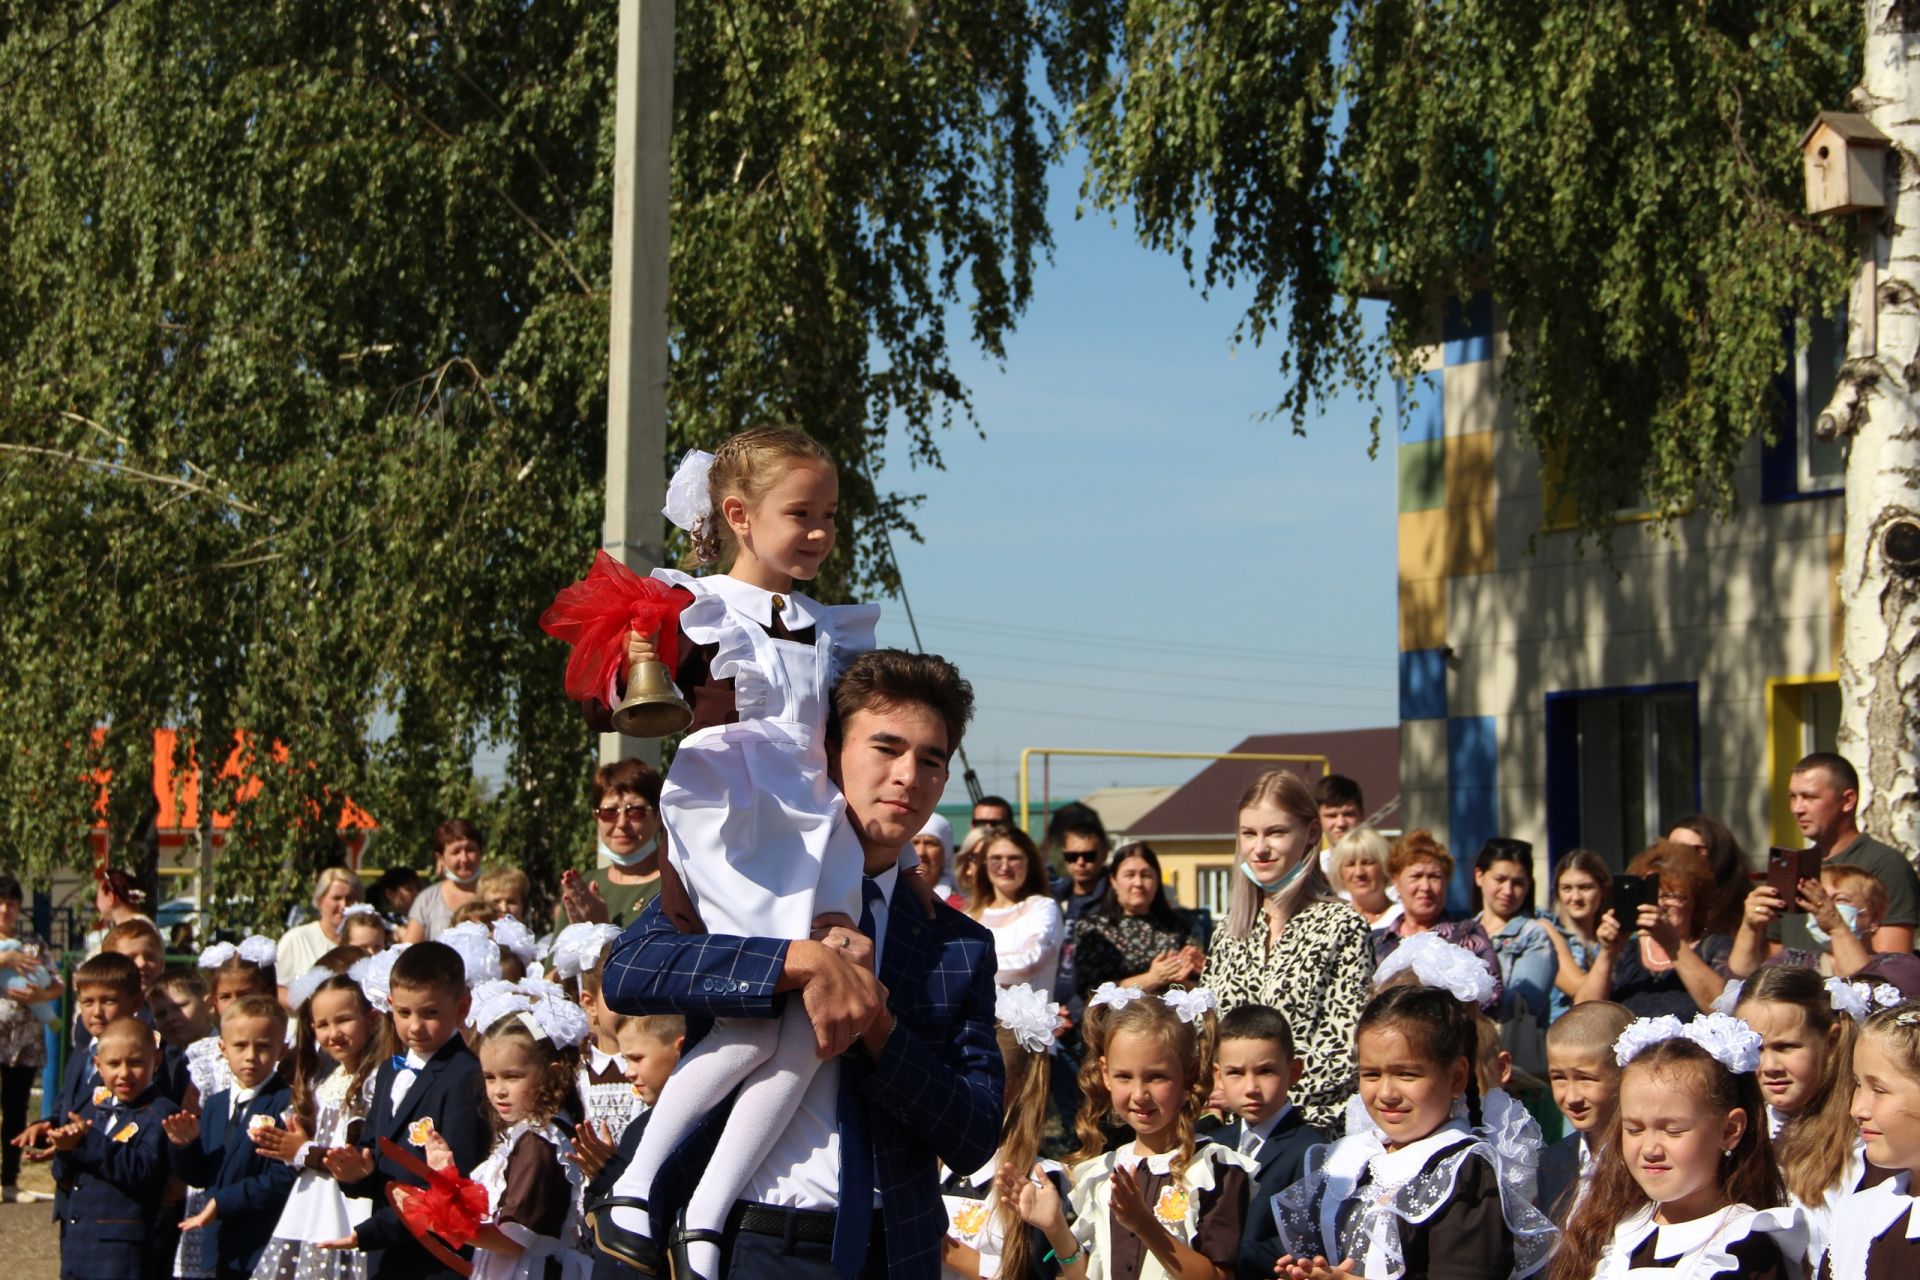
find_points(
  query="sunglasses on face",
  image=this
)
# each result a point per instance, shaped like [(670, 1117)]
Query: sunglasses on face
[(613, 813), (1080, 855)]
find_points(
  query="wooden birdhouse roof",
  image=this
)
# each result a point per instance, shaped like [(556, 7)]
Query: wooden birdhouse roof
[(1850, 126)]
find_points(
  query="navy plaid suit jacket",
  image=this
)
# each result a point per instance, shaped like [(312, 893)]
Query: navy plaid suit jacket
[(935, 1092)]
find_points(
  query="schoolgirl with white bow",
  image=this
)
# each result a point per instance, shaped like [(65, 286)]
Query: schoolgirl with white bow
[(1165, 1203), (986, 1237), (1685, 1187), (531, 1035), (1882, 1236), (1422, 1184), (756, 831), (1806, 1027), (339, 1043), (607, 1098)]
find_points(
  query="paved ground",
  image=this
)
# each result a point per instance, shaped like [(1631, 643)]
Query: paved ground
[(29, 1244)]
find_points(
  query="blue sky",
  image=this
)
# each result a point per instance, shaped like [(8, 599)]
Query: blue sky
[(1129, 557)]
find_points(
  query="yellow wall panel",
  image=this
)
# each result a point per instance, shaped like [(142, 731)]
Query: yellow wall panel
[(1423, 613)]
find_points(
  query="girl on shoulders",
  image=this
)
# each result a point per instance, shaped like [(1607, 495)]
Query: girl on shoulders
[(338, 1042), (1165, 1204), (1882, 1241), (1685, 1184), (1417, 1191), (1290, 944)]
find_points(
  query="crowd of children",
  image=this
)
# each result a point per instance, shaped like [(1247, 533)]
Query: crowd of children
[(456, 1106)]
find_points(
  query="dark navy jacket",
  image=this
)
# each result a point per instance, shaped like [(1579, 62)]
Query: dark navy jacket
[(448, 1091), (248, 1189), (605, 1266), (1278, 1166), (77, 1082), (119, 1178)]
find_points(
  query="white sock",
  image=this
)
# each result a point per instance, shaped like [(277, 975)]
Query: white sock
[(766, 1104), (716, 1066)]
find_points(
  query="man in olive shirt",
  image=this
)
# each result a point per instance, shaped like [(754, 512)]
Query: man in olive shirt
[(1824, 793)]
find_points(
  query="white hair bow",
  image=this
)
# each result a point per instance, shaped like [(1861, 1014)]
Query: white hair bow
[(375, 975), (579, 947), (1111, 995), (1730, 1042), (1023, 1011), (301, 989), (1437, 963), (689, 495), (479, 953), (516, 937), (1190, 1006)]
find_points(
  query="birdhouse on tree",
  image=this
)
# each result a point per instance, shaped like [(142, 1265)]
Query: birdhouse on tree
[(1845, 160)]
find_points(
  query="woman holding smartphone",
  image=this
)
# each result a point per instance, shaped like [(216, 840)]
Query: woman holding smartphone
[(1661, 961)]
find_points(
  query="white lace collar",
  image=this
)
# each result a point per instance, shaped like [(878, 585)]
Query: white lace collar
[(1395, 1167), (601, 1059), (1130, 1156), (756, 603)]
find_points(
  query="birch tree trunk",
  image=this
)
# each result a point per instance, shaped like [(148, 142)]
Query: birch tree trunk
[(1874, 408)]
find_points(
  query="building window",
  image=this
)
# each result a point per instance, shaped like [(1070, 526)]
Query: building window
[(1796, 465), (1803, 716), (1214, 884), (1623, 765)]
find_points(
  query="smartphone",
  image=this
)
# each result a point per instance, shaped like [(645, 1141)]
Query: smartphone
[(1630, 893), (1786, 868)]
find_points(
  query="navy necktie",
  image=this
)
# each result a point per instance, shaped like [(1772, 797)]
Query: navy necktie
[(851, 1225)]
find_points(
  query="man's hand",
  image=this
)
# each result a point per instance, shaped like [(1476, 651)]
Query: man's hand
[(840, 998), (348, 1164), (199, 1219), (182, 1128), (349, 1241), (838, 934)]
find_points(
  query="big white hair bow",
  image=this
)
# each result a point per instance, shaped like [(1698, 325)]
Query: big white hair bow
[(301, 989), (256, 950), (1190, 1006), (689, 498), (1728, 1040), (1027, 1014), (375, 976), (516, 937), (1440, 964), (579, 946), (479, 953), (1111, 995)]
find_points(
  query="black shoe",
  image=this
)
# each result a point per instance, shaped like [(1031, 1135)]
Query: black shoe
[(677, 1252), (629, 1248)]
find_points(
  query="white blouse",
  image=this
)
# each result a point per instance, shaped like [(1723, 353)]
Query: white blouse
[(1027, 938)]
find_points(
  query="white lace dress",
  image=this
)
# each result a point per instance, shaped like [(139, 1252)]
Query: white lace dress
[(208, 1070), (605, 1093), (1358, 1200), (317, 1210), (555, 1180)]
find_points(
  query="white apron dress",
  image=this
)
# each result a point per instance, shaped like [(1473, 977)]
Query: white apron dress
[(757, 831), (608, 1099), (317, 1210), (1699, 1250), (491, 1173)]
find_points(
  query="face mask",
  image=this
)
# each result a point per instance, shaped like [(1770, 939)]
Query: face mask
[(633, 859), (1285, 880), (1849, 916)]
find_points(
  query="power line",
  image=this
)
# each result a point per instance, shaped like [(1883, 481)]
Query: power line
[(1162, 672), (1183, 647), (1191, 697)]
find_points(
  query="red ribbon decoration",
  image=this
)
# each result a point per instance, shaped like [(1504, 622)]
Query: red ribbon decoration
[(449, 1207), (595, 614)]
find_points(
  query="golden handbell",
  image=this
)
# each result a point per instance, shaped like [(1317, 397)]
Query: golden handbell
[(653, 708)]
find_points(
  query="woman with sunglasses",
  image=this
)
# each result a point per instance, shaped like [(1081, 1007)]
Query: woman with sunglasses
[(626, 810)]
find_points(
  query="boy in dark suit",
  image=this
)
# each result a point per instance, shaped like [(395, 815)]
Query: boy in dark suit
[(1254, 1067), (214, 1149), (115, 1156), (649, 1049), (434, 1086), (106, 988), (1586, 1087)]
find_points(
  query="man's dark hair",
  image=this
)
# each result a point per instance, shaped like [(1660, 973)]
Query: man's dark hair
[(1257, 1022), (1075, 819), (998, 801), (109, 969), (1839, 768), (427, 965), (896, 678), (1337, 788), (10, 888)]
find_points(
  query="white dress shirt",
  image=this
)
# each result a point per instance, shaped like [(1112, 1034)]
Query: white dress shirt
[(803, 1169), (1254, 1137), (404, 1078)]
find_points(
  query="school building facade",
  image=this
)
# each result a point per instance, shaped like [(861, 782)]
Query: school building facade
[(1554, 696)]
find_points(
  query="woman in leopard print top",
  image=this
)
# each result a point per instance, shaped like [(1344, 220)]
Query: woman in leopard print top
[(1289, 943)]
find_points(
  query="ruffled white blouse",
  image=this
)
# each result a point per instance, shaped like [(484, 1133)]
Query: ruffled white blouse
[(1699, 1249), (1870, 1214), (1027, 938)]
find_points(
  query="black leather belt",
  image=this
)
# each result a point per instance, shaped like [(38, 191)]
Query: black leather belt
[(807, 1226)]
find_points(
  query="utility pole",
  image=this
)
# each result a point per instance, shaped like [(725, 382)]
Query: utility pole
[(637, 338)]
